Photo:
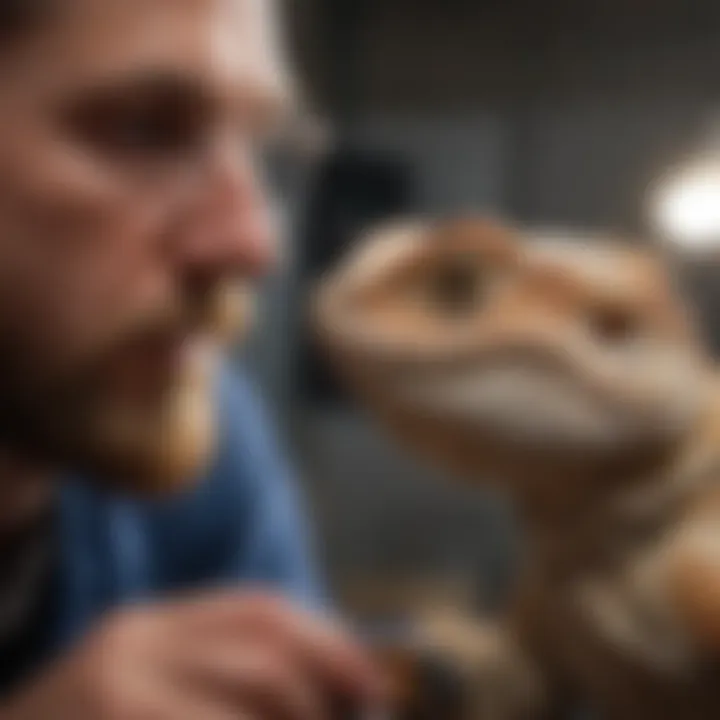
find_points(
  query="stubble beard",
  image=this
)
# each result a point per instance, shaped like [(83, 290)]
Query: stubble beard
[(150, 449)]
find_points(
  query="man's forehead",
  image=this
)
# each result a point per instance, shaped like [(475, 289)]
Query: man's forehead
[(228, 45)]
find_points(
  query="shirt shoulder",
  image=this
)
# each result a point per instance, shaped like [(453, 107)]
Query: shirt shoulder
[(245, 519)]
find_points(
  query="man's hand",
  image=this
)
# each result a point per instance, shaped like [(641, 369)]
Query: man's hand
[(230, 657)]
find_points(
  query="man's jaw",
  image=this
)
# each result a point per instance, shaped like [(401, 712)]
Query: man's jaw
[(140, 414), (160, 442), (148, 444), (158, 454)]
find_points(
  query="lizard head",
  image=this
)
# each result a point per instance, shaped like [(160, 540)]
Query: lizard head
[(480, 343)]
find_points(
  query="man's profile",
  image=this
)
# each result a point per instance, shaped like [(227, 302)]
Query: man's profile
[(142, 498)]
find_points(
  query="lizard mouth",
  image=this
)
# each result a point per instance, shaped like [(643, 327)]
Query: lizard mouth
[(493, 390), (532, 396), (463, 377)]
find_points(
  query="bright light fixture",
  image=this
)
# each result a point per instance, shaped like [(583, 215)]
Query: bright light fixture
[(685, 209)]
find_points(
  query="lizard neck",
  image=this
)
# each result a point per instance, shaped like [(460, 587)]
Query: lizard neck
[(576, 512)]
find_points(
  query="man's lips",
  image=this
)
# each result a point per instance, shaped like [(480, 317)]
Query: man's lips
[(153, 364)]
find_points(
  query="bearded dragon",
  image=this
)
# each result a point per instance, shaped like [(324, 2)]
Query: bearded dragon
[(568, 373)]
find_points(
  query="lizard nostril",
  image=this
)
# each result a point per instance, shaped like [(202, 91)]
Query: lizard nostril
[(613, 325)]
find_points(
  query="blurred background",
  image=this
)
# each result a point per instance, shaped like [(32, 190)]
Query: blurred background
[(563, 113)]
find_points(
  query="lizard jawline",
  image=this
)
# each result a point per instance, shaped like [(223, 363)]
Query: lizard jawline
[(521, 404)]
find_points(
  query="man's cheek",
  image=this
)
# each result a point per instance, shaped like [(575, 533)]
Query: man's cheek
[(82, 282), (78, 197)]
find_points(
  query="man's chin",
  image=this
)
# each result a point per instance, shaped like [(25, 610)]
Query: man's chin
[(125, 450), (158, 459), (160, 449), (183, 456)]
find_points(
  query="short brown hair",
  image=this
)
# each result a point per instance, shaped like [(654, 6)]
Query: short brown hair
[(20, 17)]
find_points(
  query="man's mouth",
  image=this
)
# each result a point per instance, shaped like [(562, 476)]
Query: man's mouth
[(152, 365)]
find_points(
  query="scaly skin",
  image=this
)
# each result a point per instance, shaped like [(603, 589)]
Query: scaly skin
[(568, 374)]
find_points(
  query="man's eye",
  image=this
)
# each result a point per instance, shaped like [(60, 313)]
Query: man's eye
[(152, 131), (144, 127)]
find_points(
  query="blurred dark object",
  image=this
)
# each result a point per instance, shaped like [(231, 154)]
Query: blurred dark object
[(698, 279), (354, 189), (390, 615), (422, 684)]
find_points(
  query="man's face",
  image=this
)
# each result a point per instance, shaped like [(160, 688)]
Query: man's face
[(130, 221)]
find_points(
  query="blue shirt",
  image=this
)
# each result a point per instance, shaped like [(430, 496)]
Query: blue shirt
[(243, 523)]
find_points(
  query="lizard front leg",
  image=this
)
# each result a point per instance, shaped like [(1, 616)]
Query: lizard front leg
[(691, 574)]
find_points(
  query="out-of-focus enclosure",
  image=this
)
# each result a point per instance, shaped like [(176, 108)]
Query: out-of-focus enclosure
[(557, 113)]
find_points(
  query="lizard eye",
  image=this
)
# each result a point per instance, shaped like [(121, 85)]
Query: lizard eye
[(456, 288)]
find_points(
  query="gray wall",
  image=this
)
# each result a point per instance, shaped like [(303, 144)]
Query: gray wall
[(458, 160)]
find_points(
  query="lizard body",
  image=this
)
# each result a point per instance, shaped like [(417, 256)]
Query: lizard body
[(568, 373)]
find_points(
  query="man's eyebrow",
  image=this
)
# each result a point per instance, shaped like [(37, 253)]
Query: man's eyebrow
[(150, 82), (273, 108)]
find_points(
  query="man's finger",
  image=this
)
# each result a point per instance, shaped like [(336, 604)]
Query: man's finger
[(221, 608), (188, 707), (328, 653), (317, 643), (252, 677)]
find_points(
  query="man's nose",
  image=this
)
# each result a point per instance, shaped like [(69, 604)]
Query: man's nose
[(229, 228)]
